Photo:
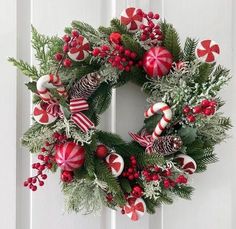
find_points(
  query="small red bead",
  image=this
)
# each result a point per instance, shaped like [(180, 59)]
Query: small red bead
[(136, 175), (143, 37), (130, 170), (197, 109), (43, 150), (66, 38), (67, 63), (133, 55), (131, 177), (191, 118), (34, 188), (155, 177), (142, 26), (26, 183), (205, 103), (41, 183), (127, 52), (34, 180), (66, 48), (58, 56), (29, 179), (75, 33), (46, 158), (96, 51), (139, 12), (41, 167), (156, 16), (166, 184), (208, 111), (44, 176), (41, 157), (49, 165), (150, 15), (186, 109), (213, 103)]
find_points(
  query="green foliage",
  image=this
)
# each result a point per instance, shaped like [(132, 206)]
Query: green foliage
[(204, 72), (105, 30), (171, 40), (118, 27), (25, 68), (101, 98), (32, 86), (151, 205), (109, 139), (125, 185), (105, 175), (133, 45), (189, 49), (188, 135), (183, 191)]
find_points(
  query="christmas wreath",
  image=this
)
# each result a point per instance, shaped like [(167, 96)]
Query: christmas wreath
[(72, 88)]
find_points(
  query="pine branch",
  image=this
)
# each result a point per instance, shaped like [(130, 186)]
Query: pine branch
[(118, 27), (182, 191), (105, 30), (171, 41), (32, 86), (204, 73), (189, 49), (125, 185), (109, 139), (25, 68)]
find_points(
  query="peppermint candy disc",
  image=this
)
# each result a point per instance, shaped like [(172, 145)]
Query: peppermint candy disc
[(186, 163), (207, 51), (157, 61), (41, 115), (70, 156), (131, 19), (135, 208), (80, 49), (115, 163)]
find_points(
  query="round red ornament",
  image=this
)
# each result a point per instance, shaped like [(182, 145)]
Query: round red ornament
[(131, 19), (115, 38), (207, 51), (115, 163), (70, 156), (67, 176), (157, 62), (41, 115), (101, 151), (187, 163), (80, 49), (135, 208)]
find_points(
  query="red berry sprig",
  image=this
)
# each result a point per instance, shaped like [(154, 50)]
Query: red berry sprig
[(137, 191), (150, 31), (118, 56), (47, 162), (69, 42), (206, 108), (131, 172)]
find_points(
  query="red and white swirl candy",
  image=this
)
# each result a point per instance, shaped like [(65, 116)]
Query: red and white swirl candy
[(70, 156), (115, 163), (131, 19), (135, 208), (50, 81), (166, 118), (80, 49), (186, 163), (41, 114), (207, 51), (157, 61)]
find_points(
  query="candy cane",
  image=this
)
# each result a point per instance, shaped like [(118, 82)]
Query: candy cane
[(49, 81), (164, 120)]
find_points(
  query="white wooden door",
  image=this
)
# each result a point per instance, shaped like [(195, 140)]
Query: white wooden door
[(213, 204)]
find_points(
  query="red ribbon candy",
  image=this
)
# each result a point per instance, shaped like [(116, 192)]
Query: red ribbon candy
[(81, 120), (144, 140), (134, 208)]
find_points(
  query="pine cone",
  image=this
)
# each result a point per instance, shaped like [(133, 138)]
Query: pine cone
[(86, 86), (167, 144)]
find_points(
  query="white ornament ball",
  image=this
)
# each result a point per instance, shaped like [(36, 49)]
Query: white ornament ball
[(115, 163), (187, 163)]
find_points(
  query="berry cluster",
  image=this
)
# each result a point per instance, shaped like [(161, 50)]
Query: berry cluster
[(207, 108), (69, 42), (47, 162), (118, 56), (67, 176), (150, 29), (164, 176), (137, 191), (131, 173)]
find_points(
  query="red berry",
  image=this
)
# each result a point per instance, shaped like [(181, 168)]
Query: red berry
[(44, 176), (105, 48), (186, 109), (136, 175), (58, 56), (122, 211), (137, 191), (75, 33), (132, 157), (34, 180), (49, 165), (208, 111), (156, 168), (26, 183), (56, 135), (67, 176), (152, 36), (46, 158), (205, 103), (67, 63), (41, 167), (145, 173), (66, 48), (101, 151), (197, 109), (130, 170), (133, 55), (34, 188), (127, 68), (96, 51), (41, 183), (131, 177), (156, 16), (139, 12), (41, 157), (29, 179), (166, 184), (155, 177), (47, 144), (191, 118), (66, 38), (121, 49), (143, 37), (43, 150), (115, 38), (213, 103), (109, 197), (168, 173), (150, 15), (117, 59), (142, 26), (127, 52)]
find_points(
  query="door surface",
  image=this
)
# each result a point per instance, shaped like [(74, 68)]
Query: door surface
[(213, 205)]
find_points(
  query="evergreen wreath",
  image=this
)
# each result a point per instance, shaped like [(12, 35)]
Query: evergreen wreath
[(72, 87)]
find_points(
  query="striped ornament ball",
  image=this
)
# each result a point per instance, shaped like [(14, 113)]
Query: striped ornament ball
[(70, 156)]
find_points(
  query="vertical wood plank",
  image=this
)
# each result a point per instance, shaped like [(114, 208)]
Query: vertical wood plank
[(8, 102), (211, 203)]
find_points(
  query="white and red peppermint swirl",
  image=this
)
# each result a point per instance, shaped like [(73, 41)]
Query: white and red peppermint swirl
[(115, 163), (186, 163)]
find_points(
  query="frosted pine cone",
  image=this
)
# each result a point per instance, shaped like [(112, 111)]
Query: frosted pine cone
[(167, 144), (86, 86)]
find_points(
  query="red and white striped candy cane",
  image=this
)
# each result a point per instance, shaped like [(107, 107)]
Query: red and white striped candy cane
[(50, 81), (167, 115)]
